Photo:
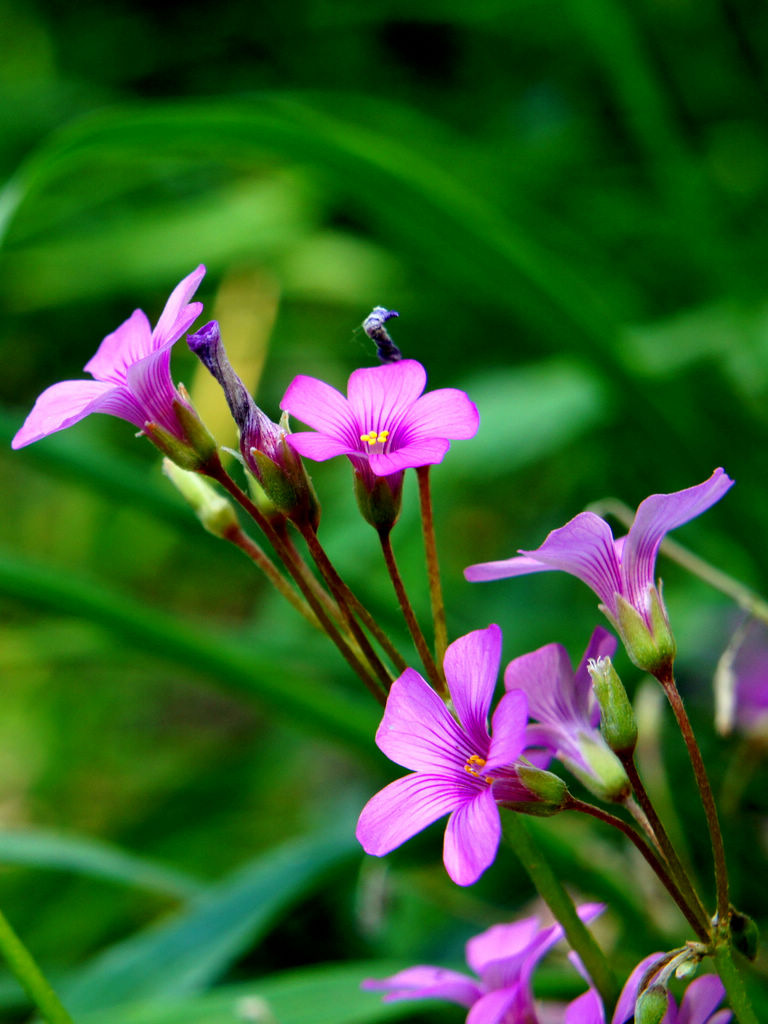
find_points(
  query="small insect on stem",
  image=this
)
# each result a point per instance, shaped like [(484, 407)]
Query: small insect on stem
[(373, 325)]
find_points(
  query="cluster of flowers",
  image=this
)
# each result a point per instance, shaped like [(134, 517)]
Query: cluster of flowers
[(385, 425)]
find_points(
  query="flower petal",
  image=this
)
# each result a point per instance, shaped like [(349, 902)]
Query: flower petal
[(179, 313), (150, 383), (381, 397), (423, 982), (70, 401), (625, 1007), (586, 1009), (420, 453), (501, 942), (701, 999), (546, 677), (127, 345), (584, 548), (403, 808), (495, 1007), (518, 565), (508, 733), (318, 447), (323, 408), (655, 517), (446, 412), (419, 733), (471, 669), (472, 838)]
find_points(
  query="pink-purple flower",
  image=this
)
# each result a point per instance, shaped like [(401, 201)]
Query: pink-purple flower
[(457, 767), (620, 572), (566, 712), (504, 958), (130, 373), (385, 424)]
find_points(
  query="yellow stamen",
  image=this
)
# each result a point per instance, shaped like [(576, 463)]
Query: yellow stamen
[(373, 438), (474, 761)]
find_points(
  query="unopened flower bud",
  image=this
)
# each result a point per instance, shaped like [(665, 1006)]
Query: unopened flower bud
[(617, 719), (652, 648), (652, 1005), (604, 774), (278, 469), (212, 509)]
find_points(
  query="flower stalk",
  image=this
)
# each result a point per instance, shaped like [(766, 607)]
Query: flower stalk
[(433, 566), (26, 971)]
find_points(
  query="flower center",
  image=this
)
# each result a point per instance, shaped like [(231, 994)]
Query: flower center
[(373, 438), (474, 761)]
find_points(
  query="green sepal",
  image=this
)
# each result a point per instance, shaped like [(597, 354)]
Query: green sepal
[(550, 791), (745, 934), (606, 777), (380, 502), (651, 649), (288, 486)]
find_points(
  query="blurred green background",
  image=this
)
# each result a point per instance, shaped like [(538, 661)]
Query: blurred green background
[(566, 201)]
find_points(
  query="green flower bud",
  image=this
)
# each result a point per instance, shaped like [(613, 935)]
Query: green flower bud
[(604, 774), (212, 509), (549, 794), (379, 499), (617, 718), (652, 1005)]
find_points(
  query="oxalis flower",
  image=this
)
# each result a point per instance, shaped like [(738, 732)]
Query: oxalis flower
[(620, 572), (131, 380), (385, 424), (567, 714), (504, 958), (458, 769)]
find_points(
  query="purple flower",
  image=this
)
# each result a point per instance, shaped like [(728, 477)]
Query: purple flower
[(620, 572), (699, 1003), (385, 424), (567, 714), (741, 683), (503, 958), (131, 375), (458, 769)]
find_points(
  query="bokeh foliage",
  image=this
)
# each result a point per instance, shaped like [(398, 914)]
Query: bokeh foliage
[(566, 202)]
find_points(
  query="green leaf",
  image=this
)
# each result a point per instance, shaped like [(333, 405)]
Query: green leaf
[(44, 848), (324, 995), (189, 951)]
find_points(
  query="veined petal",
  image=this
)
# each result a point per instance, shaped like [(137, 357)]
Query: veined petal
[(323, 408), (508, 732), (602, 644), (472, 838), (584, 548), (493, 1007), (446, 412), (518, 565), (381, 397), (419, 733), (545, 676), (179, 313), (69, 401), (655, 517), (150, 383), (403, 808), (701, 999), (471, 669), (127, 345), (424, 982), (419, 453)]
